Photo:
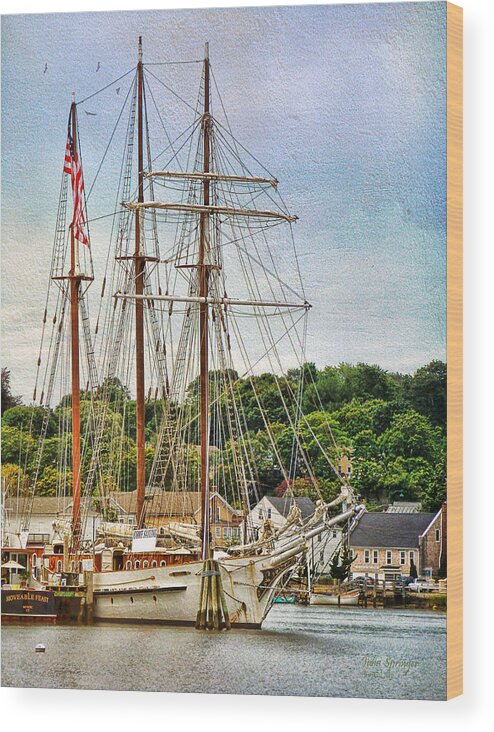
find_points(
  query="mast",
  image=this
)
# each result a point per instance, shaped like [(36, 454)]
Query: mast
[(139, 260), (203, 274), (75, 283)]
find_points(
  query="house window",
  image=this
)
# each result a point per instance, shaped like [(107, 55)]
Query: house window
[(438, 535), (375, 556), (366, 556), (260, 514), (335, 534), (402, 557), (162, 563), (412, 555), (218, 532), (59, 565), (269, 513), (145, 564), (388, 557), (137, 564), (236, 532), (128, 564), (33, 559), (226, 532), (218, 513), (154, 563)]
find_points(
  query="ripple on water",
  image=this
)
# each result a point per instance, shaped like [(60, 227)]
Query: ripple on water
[(301, 651)]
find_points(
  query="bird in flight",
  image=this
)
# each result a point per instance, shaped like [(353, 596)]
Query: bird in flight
[(46, 68), (118, 90), (98, 66), (91, 114)]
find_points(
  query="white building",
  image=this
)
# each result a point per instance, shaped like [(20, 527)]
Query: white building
[(39, 513), (321, 548), (276, 509)]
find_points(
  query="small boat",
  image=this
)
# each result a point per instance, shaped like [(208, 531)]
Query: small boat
[(284, 599), (326, 598), (40, 648)]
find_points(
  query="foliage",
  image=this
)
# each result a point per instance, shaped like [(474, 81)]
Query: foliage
[(391, 425), (54, 482), (425, 391), (15, 479), (108, 512), (8, 399), (29, 419), (341, 564), (16, 444)]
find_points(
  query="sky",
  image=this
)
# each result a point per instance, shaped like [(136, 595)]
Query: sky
[(346, 105)]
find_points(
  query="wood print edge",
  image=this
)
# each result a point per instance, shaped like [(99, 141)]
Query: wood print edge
[(454, 106)]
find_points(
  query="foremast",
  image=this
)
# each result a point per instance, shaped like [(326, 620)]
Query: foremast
[(139, 268)]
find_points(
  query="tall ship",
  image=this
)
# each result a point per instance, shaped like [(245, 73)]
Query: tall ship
[(201, 290)]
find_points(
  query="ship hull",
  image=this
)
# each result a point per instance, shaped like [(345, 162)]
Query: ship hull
[(170, 595), (28, 605), (327, 599)]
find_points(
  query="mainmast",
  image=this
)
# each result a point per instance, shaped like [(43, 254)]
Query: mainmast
[(203, 274), (75, 284), (139, 260)]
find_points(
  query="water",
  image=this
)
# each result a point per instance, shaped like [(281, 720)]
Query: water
[(306, 651)]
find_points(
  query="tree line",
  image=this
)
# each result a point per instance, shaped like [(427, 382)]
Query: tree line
[(392, 426)]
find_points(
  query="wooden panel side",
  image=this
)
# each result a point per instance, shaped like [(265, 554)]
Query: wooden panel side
[(454, 20)]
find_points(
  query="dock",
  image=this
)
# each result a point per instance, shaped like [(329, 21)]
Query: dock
[(375, 593)]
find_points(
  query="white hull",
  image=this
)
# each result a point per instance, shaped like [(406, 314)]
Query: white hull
[(326, 599), (171, 594)]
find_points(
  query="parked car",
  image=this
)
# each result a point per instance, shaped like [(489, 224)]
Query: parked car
[(422, 586)]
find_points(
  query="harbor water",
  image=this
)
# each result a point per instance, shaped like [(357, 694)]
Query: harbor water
[(306, 651)]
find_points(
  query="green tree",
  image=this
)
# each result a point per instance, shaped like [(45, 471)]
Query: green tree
[(17, 446), (54, 482), (8, 399), (29, 419), (15, 479), (341, 564), (432, 493), (369, 478), (337, 385), (426, 391), (372, 414), (411, 435)]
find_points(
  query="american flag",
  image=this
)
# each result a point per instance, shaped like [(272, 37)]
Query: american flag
[(72, 167)]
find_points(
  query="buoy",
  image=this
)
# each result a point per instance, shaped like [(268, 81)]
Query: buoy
[(40, 648)]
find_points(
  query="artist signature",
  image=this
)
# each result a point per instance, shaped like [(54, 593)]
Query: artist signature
[(387, 667)]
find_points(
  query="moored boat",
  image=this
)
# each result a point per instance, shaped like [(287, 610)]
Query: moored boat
[(26, 604), (326, 598)]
